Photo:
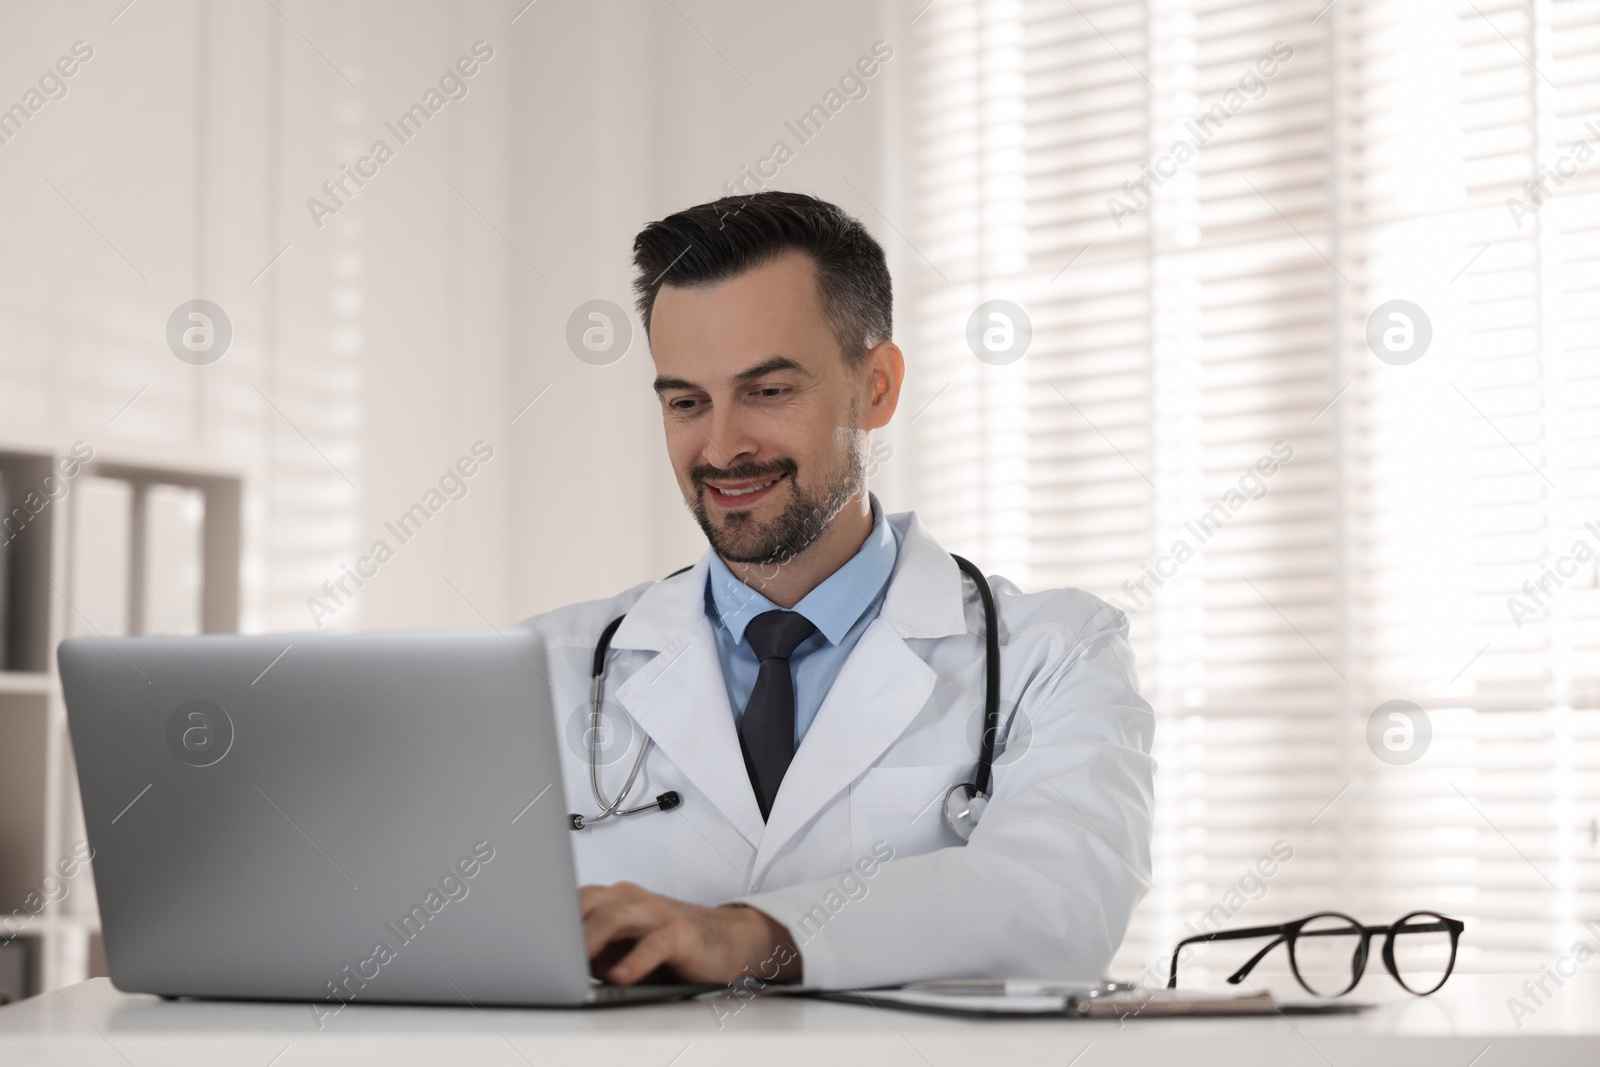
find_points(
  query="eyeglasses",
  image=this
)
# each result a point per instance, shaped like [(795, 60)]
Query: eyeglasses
[(1328, 951)]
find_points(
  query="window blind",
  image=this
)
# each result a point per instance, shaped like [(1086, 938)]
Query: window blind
[(1199, 206)]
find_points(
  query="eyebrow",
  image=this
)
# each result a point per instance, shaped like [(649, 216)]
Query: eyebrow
[(760, 370), (770, 366)]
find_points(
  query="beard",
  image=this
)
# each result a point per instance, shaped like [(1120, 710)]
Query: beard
[(744, 539)]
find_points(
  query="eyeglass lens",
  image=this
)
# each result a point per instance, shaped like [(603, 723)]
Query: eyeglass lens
[(1327, 955), (1424, 952)]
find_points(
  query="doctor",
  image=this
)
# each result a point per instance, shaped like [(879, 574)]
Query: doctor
[(814, 685)]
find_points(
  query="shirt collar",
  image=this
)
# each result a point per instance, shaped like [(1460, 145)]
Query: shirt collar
[(833, 607)]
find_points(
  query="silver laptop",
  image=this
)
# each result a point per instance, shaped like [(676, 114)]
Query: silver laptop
[(336, 819)]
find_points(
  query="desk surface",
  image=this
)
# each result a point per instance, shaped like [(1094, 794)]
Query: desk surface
[(1467, 1024)]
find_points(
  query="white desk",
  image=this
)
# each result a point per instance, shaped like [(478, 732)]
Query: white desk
[(1464, 1025)]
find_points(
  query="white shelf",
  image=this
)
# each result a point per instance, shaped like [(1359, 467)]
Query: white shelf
[(40, 818), (29, 683), (40, 925)]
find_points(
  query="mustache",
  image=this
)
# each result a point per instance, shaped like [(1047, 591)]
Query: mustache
[(701, 472)]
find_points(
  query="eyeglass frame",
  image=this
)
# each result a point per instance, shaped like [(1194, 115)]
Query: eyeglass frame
[(1288, 933)]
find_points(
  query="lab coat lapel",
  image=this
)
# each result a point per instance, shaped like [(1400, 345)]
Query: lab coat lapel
[(680, 700), (879, 691)]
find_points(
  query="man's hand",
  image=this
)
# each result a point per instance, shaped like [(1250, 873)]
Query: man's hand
[(709, 945)]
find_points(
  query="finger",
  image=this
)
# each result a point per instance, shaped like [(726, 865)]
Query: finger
[(592, 896), (659, 946), (612, 921), (602, 962)]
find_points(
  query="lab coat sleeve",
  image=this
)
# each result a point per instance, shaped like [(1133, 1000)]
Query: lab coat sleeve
[(1047, 883)]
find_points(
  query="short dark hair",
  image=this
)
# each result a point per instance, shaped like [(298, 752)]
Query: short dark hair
[(712, 242)]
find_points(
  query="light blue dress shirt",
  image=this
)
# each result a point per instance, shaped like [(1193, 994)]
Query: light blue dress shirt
[(841, 609)]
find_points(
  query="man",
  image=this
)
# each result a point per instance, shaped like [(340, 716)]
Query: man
[(814, 685)]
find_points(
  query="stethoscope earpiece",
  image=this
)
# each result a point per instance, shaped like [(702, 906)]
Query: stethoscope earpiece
[(666, 802)]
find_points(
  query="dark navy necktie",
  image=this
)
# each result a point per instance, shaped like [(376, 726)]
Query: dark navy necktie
[(766, 730)]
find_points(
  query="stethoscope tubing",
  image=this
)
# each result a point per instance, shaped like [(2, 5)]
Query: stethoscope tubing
[(991, 675), (991, 714)]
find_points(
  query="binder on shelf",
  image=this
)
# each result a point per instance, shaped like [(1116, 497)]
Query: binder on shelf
[(19, 967), (99, 563), (5, 573)]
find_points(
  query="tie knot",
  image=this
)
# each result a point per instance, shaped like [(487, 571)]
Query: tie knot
[(775, 634)]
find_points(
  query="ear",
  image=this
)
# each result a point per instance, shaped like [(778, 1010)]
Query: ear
[(886, 372)]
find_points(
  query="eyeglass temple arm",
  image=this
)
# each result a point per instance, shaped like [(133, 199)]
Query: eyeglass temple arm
[(1250, 964), (1225, 935)]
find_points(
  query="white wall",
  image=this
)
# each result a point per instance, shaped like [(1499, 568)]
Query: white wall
[(411, 324)]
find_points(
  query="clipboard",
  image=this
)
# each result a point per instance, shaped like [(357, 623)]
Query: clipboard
[(1122, 1005)]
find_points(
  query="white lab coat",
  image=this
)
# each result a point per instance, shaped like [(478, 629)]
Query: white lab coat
[(856, 859)]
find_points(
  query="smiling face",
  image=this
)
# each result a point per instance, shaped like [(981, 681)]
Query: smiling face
[(766, 424)]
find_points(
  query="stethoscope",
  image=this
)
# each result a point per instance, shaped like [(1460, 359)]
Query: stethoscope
[(963, 803)]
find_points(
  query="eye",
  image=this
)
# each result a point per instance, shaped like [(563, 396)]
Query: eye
[(683, 404)]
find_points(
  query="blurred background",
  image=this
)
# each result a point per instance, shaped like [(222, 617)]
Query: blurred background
[(1298, 362)]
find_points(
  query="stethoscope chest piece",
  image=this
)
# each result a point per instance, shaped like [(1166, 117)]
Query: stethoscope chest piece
[(963, 807)]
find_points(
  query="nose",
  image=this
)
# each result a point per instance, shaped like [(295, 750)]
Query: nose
[(728, 438)]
